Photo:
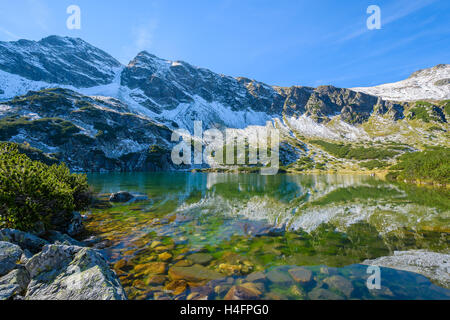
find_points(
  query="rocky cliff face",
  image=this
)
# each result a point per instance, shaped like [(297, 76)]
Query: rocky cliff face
[(105, 117), (58, 60), (89, 134)]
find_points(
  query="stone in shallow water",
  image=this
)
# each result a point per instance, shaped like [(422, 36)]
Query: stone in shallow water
[(9, 255), (247, 291), (63, 272), (323, 294), (256, 277), (230, 269), (301, 275), (156, 244), (121, 196), (183, 263), (195, 273), (151, 268), (298, 292), (328, 271), (200, 258), (279, 277), (341, 284), (196, 296), (155, 280), (176, 287), (165, 256)]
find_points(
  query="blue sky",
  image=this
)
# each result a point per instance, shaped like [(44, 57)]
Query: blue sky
[(284, 43)]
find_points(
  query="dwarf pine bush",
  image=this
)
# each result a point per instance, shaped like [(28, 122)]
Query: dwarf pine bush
[(32, 192)]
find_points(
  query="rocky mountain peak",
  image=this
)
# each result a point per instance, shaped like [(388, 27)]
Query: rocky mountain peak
[(58, 60), (434, 71), (431, 83)]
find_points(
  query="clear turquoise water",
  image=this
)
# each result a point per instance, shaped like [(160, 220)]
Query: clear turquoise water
[(270, 223)]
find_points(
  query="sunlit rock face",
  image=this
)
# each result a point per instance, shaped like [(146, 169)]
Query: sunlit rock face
[(58, 60)]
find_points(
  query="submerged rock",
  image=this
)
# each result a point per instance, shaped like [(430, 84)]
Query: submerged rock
[(301, 275), (341, 284), (247, 291), (256, 277), (151, 268), (176, 287), (323, 294), (200, 258), (435, 266), (195, 273), (10, 254), (62, 272), (121, 196), (279, 277), (165, 256)]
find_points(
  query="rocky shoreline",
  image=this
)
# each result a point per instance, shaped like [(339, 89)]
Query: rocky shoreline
[(51, 265), (33, 268)]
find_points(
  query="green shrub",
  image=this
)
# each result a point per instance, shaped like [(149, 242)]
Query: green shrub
[(59, 131), (420, 113), (373, 164), (32, 192), (429, 165), (358, 153), (446, 106)]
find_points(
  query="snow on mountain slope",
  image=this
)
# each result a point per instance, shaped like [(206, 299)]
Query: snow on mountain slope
[(175, 93), (334, 130), (432, 83), (62, 60)]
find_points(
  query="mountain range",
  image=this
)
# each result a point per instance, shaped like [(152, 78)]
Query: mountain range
[(73, 102)]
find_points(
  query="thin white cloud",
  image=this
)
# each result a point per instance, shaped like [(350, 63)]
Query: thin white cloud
[(144, 34), (143, 37), (9, 34)]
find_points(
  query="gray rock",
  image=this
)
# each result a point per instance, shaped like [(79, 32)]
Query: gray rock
[(26, 241), (26, 256), (341, 284), (91, 241), (14, 283), (301, 275), (200, 258), (279, 277), (61, 238), (323, 294), (121, 196), (433, 265), (256, 277), (60, 60), (329, 271), (75, 226), (9, 256), (63, 272)]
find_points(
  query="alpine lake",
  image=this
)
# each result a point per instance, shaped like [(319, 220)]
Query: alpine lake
[(248, 236)]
